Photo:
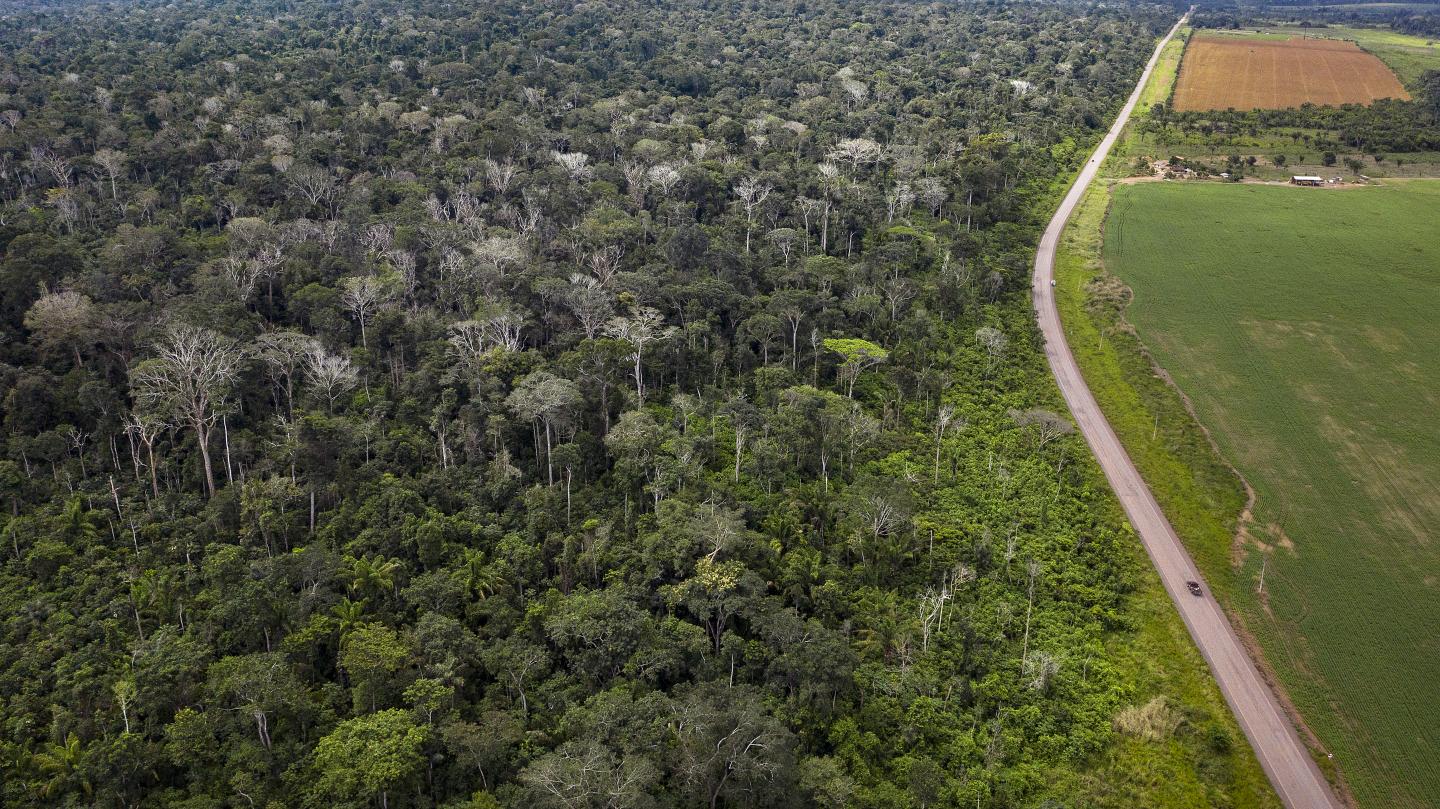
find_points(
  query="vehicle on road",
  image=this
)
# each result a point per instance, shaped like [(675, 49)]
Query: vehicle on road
[(1194, 588), (1296, 777)]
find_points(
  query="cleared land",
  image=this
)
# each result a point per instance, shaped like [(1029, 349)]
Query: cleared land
[(1300, 322), (1409, 56), (1252, 72)]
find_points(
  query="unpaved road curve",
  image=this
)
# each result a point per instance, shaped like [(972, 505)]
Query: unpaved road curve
[(1284, 758)]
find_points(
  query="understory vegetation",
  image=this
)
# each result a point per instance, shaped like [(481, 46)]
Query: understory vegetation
[(567, 405)]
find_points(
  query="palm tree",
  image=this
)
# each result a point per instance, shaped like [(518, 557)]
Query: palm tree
[(349, 614), (886, 630), (77, 523), (62, 763), (375, 574), (144, 590), (480, 578)]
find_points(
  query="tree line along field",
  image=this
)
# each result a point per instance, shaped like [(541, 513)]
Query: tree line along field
[(1389, 138), (1299, 323), (1223, 72)]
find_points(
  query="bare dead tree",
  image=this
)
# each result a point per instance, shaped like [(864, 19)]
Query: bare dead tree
[(362, 295), (146, 427), (1048, 424), (190, 377), (752, 195), (637, 181), (589, 302), (642, 328), (944, 417), (112, 163), (329, 375), (994, 342), (664, 177), (605, 262), (575, 164), (284, 354), (500, 174)]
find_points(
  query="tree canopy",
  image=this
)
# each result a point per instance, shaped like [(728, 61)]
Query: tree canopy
[(548, 404)]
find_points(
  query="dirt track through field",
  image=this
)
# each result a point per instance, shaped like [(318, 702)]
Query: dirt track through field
[(1282, 755), (1250, 73)]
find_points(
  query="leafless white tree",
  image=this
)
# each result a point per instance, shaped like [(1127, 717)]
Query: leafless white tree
[(190, 377), (994, 342), (604, 262), (314, 184), (378, 238), (856, 152), (146, 427), (664, 177), (500, 174), (932, 192), (642, 328), (284, 353), (898, 201), (112, 163), (855, 90), (1048, 424), (944, 417), (637, 181), (59, 169), (362, 295), (576, 164), (752, 195), (329, 375), (589, 302)]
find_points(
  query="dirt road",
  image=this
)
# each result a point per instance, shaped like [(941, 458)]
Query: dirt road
[(1284, 758)]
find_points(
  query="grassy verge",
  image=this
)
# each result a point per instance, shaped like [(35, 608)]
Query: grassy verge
[(1206, 760), (1200, 493)]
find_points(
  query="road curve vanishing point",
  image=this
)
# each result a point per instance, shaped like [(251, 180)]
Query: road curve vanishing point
[(1283, 756)]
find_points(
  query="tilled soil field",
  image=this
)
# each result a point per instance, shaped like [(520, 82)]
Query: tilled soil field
[(1250, 73)]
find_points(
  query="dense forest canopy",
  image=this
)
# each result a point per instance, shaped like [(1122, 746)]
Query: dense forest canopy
[(548, 404)]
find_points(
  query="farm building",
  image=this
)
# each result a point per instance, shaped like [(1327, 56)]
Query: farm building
[(1307, 179)]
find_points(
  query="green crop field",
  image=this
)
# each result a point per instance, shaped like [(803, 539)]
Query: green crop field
[(1301, 324)]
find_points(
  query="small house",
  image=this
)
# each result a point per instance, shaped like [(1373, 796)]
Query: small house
[(1307, 179)]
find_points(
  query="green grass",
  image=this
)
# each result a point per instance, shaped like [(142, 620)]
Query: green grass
[(1300, 322), (1162, 79), (1207, 761)]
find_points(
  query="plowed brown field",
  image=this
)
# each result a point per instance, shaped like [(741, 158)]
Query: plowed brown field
[(1245, 73)]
